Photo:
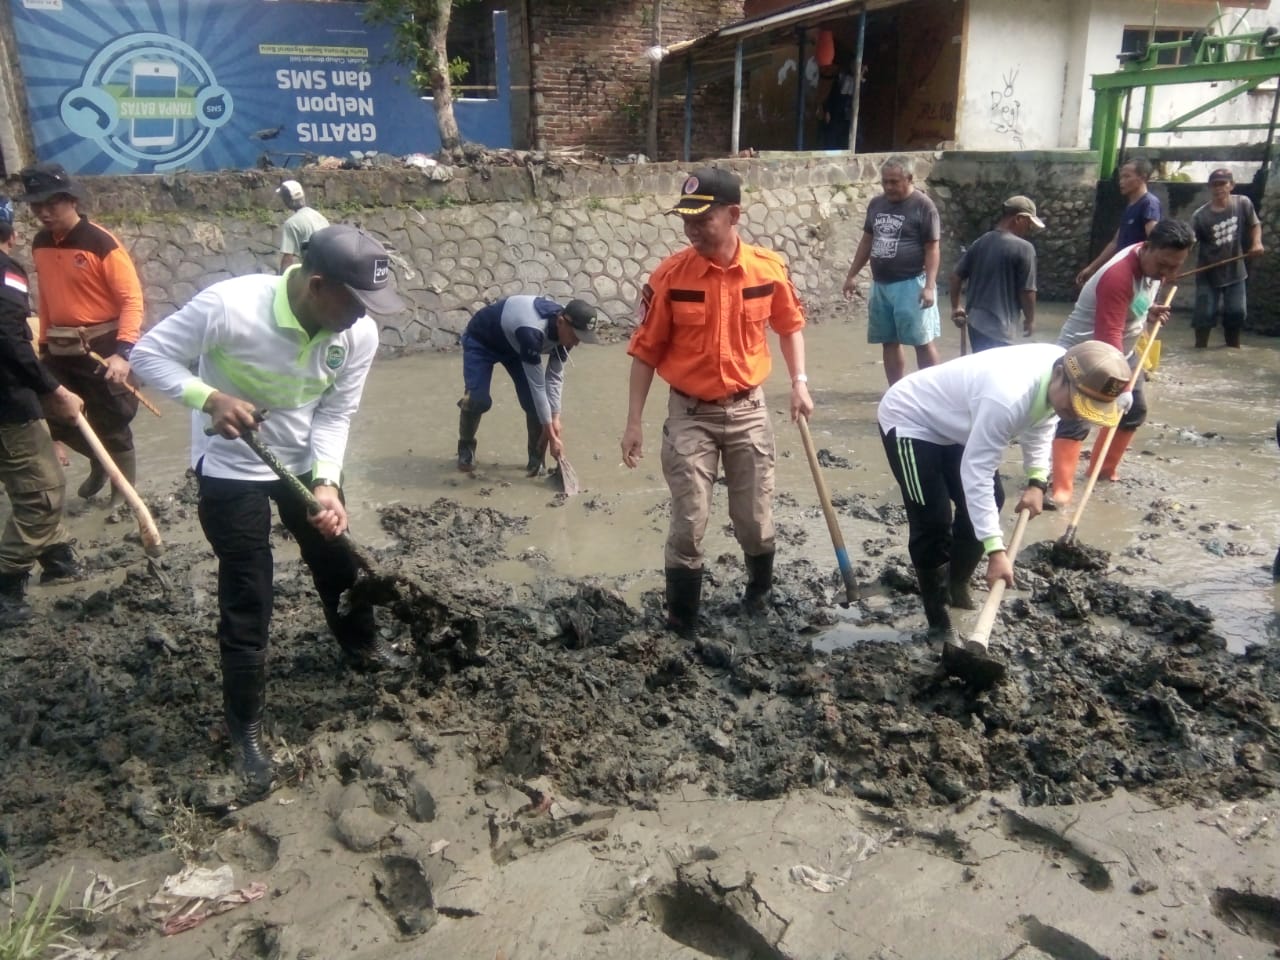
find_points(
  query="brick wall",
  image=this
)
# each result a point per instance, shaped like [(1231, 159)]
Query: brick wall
[(590, 78)]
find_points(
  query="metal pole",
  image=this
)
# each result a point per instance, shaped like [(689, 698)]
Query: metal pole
[(1124, 127), (1147, 99), (655, 89), (736, 129), (1266, 158), (688, 108), (800, 37), (857, 81)]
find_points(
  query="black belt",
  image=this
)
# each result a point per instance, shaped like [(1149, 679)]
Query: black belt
[(721, 401)]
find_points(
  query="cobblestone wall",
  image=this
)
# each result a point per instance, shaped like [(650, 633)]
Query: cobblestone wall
[(566, 230)]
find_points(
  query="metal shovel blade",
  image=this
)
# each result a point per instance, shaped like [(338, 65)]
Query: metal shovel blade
[(566, 477)]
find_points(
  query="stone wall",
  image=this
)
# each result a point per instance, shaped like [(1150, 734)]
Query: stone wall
[(564, 229), (969, 188)]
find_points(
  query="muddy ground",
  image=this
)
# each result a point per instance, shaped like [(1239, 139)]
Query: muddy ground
[(733, 790)]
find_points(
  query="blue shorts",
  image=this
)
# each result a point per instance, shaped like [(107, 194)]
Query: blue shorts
[(894, 314)]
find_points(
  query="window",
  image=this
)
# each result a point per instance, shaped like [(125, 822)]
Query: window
[(1139, 38), (471, 39)]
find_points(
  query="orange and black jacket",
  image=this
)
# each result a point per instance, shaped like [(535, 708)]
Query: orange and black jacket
[(87, 277)]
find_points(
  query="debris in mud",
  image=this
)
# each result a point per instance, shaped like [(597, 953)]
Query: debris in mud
[(828, 459), (112, 696)]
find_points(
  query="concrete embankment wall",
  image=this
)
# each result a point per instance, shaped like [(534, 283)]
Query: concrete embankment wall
[(595, 231)]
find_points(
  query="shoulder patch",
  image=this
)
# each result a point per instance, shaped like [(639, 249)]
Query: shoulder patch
[(335, 356), (646, 300)]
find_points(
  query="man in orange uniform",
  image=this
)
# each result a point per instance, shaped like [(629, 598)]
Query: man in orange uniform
[(90, 300), (703, 315)]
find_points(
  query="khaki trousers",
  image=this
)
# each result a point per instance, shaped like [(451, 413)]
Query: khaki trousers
[(33, 478), (696, 438)]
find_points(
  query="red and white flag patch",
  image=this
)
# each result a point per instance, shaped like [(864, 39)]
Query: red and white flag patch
[(15, 280)]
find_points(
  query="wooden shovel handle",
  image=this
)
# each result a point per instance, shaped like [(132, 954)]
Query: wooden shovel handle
[(1095, 467), (151, 541), (833, 524), (987, 618), (128, 386)]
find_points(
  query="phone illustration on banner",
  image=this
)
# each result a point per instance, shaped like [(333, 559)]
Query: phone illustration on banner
[(153, 80)]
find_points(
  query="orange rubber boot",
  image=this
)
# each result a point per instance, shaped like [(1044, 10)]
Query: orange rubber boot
[(1066, 456), (1115, 452)]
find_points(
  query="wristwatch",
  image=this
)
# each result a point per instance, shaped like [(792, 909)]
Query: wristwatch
[(800, 378), (1040, 485)]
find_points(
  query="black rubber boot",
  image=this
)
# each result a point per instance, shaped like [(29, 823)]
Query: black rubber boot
[(14, 608), (244, 698), (362, 647), (60, 562), (93, 483), (468, 424), (759, 593), (1202, 337), (935, 591), (965, 558), (537, 454), (684, 597), (1232, 337)]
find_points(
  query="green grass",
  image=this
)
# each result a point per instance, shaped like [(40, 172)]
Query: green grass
[(28, 934)]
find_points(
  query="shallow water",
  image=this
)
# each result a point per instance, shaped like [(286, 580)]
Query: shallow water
[(1207, 459)]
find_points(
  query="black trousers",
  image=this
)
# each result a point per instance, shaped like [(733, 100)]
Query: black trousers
[(109, 407), (236, 517), (929, 475)]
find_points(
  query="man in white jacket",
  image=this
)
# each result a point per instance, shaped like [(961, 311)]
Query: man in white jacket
[(945, 431), (299, 345)]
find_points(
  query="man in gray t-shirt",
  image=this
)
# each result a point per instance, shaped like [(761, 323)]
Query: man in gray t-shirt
[(1000, 268), (1221, 227), (301, 224), (900, 239)]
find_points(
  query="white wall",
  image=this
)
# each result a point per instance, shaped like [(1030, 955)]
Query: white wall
[(1016, 57), (1052, 49)]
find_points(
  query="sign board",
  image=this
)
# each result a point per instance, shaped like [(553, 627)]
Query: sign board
[(165, 85)]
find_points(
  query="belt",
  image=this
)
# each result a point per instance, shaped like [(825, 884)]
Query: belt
[(719, 401)]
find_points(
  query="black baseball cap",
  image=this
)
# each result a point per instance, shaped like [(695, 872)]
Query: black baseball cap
[(707, 186), (358, 261), (45, 180), (1222, 174), (582, 317)]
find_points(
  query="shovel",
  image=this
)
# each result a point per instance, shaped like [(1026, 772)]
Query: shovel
[(833, 525), (152, 545), (1095, 468), (973, 662)]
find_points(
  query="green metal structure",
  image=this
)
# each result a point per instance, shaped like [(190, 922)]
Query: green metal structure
[(1244, 59)]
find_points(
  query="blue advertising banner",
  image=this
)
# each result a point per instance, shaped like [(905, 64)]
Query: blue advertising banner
[(153, 85)]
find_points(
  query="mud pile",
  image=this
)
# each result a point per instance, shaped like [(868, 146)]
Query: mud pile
[(112, 703)]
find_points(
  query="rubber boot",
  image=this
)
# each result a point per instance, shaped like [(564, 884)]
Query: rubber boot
[(1232, 337), (964, 561), (537, 453), (1115, 452), (1066, 457), (1202, 337), (935, 592), (14, 608), (684, 597), (468, 424), (759, 593), (244, 697), (127, 461), (60, 562), (362, 646), (93, 483)]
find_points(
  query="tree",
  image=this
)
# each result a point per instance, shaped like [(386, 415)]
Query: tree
[(421, 29)]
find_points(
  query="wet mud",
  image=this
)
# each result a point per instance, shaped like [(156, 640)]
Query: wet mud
[(111, 715)]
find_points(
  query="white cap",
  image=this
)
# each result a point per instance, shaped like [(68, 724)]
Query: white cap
[(292, 190)]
